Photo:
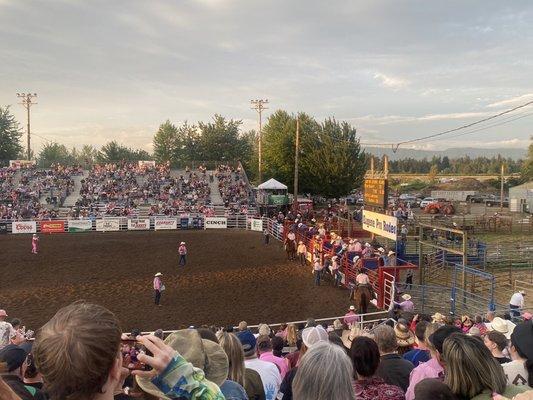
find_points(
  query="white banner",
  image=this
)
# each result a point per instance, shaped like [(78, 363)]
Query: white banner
[(24, 227), (108, 224), (139, 224), (215, 223), (256, 224), (380, 224), (165, 224), (147, 163), (79, 225)]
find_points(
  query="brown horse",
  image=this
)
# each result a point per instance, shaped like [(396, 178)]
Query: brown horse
[(290, 248), (362, 296)]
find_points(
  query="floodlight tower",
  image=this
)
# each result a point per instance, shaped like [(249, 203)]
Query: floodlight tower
[(259, 105)]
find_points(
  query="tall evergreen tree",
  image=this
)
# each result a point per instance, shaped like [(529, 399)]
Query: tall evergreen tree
[(10, 134)]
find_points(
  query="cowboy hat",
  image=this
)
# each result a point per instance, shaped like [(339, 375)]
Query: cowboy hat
[(390, 253), (381, 249), (300, 242), (438, 318), (406, 296), (522, 292), (158, 274), (404, 336), (500, 325), (202, 353), (367, 244), (182, 243), (352, 308)]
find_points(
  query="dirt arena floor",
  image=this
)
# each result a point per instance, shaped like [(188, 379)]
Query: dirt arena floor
[(230, 276)]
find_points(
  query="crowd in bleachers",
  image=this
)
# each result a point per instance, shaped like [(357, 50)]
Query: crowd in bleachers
[(233, 187), (27, 198), (424, 357)]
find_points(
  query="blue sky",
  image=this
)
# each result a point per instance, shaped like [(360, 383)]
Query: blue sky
[(396, 70)]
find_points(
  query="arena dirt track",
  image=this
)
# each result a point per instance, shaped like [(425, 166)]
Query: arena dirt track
[(230, 276)]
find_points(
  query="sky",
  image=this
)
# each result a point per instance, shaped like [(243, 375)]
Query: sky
[(396, 70)]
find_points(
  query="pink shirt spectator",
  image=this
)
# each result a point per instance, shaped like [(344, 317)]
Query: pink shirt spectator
[(157, 283), (407, 305), (429, 369), (350, 318), (358, 247), (281, 363), (182, 250)]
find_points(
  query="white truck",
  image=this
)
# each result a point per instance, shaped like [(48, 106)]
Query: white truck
[(453, 195)]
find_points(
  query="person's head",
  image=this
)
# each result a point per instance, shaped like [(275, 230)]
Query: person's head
[(385, 338), (433, 389), (248, 342), (12, 358), (264, 329), (437, 338), (233, 348), (3, 315), (243, 325), (77, 351), (292, 334), (208, 334), (264, 345), (365, 356), (490, 316), (496, 342), (420, 332), (277, 345), (522, 345), (312, 336), (470, 368), (15, 323), (324, 372)]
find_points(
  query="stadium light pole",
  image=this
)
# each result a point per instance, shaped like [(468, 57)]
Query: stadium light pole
[(26, 101), (259, 105)]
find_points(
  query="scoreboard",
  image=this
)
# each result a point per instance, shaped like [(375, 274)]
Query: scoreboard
[(375, 192)]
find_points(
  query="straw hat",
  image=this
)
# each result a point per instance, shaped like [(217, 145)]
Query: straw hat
[(404, 336), (381, 249), (406, 296), (438, 318), (209, 356), (390, 253)]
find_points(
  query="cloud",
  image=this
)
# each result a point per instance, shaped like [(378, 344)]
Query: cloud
[(514, 101), (391, 82)]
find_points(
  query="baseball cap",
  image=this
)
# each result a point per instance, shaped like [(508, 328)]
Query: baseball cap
[(248, 341), (313, 335), (13, 356), (439, 336), (522, 338)]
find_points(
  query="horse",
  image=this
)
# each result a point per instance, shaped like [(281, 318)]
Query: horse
[(362, 296), (290, 248)]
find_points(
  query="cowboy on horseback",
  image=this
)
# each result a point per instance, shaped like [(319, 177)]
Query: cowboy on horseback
[(363, 292)]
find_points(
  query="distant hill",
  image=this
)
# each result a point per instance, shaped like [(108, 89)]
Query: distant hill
[(451, 153)]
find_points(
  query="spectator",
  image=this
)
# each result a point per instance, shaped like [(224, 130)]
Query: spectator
[(12, 357), (520, 370), (30, 375), (277, 347), (404, 337), (264, 349), (6, 330), (311, 336), (302, 252), (503, 326), (365, 357), (350, 318), (246, 377), (472, 372), (433, 389), (393, 369), (242, 326), (325, 372), (421, 353), (434, 338), (270, 376), (292, 335), (516, 303), (294, 357), (496, 342)]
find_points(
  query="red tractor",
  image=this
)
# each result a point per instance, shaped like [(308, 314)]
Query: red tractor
[(440, 206)]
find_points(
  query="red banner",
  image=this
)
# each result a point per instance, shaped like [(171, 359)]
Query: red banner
[(52, 226)]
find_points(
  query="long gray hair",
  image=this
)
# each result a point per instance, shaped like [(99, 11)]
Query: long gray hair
[(325, 372)]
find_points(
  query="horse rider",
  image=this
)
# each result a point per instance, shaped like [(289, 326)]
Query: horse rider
[(291, 237), (334, 269)]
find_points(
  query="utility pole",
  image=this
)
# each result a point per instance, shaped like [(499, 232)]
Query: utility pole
[(26, 101), (259, 105), (296, 157), (501, 189)]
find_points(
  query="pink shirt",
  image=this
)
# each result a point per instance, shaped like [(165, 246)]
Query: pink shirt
[(157, 283), (182, 250), (281, 363), (429, 369), (358, 247), (350, 318), (362, 279)]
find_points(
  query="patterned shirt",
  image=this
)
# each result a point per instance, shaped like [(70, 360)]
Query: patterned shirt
[(6, 331), (181, 379), (376, 389)]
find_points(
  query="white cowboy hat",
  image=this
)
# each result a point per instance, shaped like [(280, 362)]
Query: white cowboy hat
[(381, 249), (182, 243), (334, 257), (406, 296), (352, 308), (356, 258), (390, 253), (522, 292), (351, 241), (503, 326), (367, 244), (158, 274)]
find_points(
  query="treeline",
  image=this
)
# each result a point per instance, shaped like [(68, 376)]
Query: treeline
[(460, 165)]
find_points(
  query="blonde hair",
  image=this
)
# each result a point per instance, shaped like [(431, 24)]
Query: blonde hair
[(470, 367), (233, 348), (292, 335), (430, 330)]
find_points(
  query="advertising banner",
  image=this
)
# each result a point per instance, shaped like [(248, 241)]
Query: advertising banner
[(52, 226), (24, 227), (80, 225), (3, 228), (108, 224), (256, 224), (139, 224), (146, 163), (20, 163), (215, 223), (165, 224), (380, 224)]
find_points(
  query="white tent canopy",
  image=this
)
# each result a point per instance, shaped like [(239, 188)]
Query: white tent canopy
[(272, 184)]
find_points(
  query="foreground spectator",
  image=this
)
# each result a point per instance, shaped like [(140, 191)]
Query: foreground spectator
[(270, 376), (520, 370), (433, 389), (365, 357), (6, 393), (496, 342), (265, 350), (246, 377), (6, 329), (392, 368), (12, 358), (421, 353), (472, 372), (325, 372)]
